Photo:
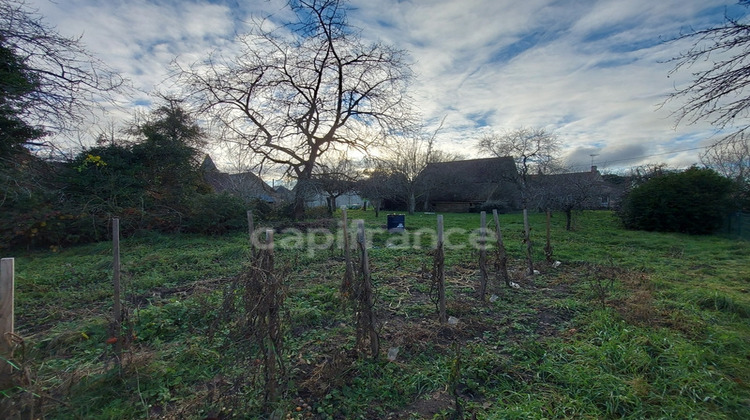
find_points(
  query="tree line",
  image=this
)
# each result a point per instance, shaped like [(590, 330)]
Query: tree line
[(150, 177), (293, 95)]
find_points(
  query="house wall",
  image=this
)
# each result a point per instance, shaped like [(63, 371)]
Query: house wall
[(319, 200), (452, 207)]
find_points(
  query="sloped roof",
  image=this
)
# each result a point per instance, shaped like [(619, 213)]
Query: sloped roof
[(474, 180), (476, 170), (592, 176), (208, 165), (244, 184)]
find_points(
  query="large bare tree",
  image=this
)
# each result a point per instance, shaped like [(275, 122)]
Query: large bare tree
[(535, 150), (48, 85), (293, 92), (405, 163), (720, 65), (568, 191), (67, 82), (405, 160), (719, 93)]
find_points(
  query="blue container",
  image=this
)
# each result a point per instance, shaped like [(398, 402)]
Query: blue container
[(396, 222)]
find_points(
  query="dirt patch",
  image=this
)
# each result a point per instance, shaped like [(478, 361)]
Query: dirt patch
[(182, 291), (425, 407), (551, 321)]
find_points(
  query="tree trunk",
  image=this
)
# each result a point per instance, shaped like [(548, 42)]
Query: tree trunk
[(331, 201), (302, 189), (527, 241), (299, 205), (548, 246), (568, 218), (482, 255), (412, 203)]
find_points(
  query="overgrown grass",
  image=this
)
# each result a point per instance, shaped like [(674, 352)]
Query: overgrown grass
[(632, 324)]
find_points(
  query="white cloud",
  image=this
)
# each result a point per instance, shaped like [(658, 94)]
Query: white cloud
[(594, 71)]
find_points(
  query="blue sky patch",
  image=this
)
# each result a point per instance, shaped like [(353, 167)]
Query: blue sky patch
[(517, 48)]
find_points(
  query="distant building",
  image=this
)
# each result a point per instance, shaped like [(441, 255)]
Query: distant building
[(584, 190), (284, 193), (320, 199), (245, 185), (468, 185)]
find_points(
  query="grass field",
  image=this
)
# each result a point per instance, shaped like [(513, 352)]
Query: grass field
[(631, 324)]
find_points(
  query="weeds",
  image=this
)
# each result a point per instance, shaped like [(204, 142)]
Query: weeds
[(601, 281), (666, 337)]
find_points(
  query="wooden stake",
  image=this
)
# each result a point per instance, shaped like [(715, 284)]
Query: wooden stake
[(362, 239), (348, 280), (269, 240), (548, 247), (7, 286), (482, 255), (502, 255), (117, 307), (365, 314), (440, 229), (251, 231), (440, 272), (527, 241), (273, 322)]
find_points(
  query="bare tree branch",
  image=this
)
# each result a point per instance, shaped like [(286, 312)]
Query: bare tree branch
[(302, 89), (534, 149), (70, 81), (717, 93)]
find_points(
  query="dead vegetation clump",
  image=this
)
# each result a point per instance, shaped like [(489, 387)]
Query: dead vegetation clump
[(252, 308), (330, 371)]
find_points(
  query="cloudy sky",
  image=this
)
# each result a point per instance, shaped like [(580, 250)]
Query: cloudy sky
[(593, 72)]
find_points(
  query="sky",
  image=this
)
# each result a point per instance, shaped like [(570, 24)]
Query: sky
[(594, 73)]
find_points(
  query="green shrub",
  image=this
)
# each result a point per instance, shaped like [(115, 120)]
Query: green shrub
[(320, 212), (693, 201), (216, 214), (502, 206)]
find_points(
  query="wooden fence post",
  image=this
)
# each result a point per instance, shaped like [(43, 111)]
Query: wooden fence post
[(482, 255), (270, 244), (548, 247), (117, 307), (365, 313), (251, 231), (348, 281), (271, 287), (439, 272), (527, 242), (7, 280), (502, 256)]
